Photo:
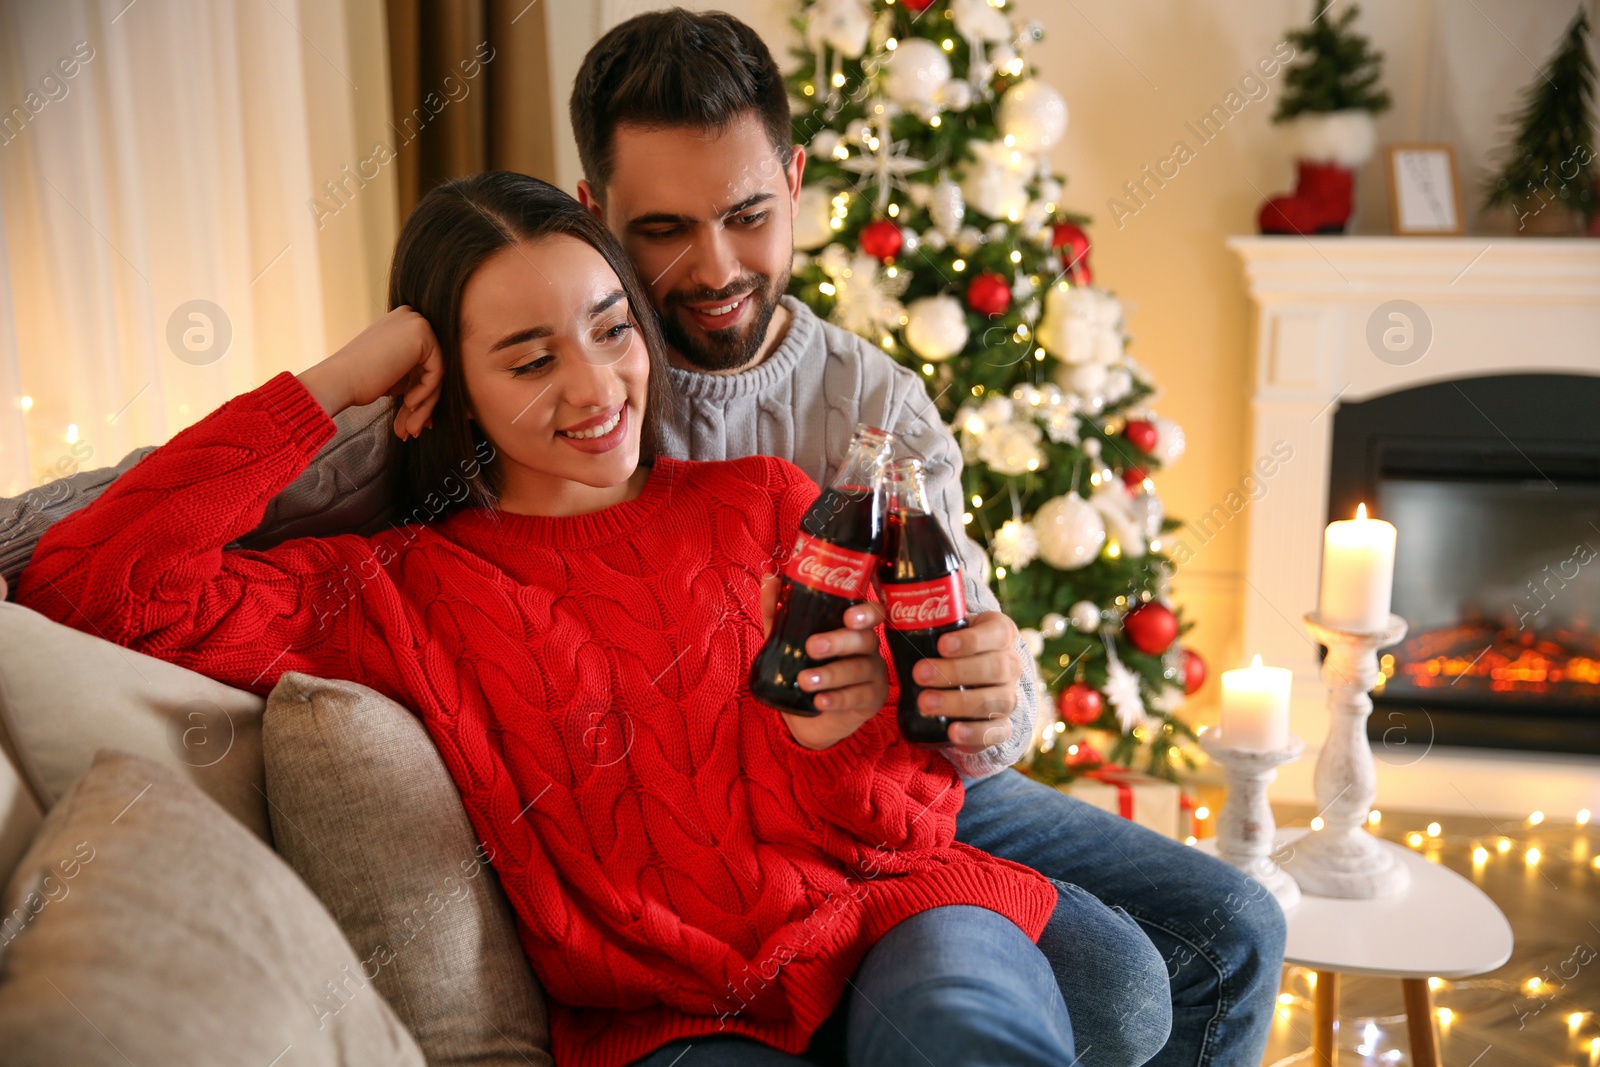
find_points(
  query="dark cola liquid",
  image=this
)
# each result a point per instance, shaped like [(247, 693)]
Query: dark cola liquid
[(916, 550), (844, 517)]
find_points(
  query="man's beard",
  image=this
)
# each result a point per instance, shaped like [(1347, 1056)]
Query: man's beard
[(724, 349)]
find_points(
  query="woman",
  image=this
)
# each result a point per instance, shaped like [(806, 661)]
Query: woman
[(573, 617)]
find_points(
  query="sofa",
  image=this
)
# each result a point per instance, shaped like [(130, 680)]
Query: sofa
[(193, 873)]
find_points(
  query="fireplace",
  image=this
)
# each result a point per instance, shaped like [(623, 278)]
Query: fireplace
[(1494, 483), (1509, 333)]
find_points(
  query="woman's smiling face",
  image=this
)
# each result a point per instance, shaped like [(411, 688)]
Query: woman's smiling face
[(556, 373)]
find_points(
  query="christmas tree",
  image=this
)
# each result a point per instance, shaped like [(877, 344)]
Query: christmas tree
[(1339, 70), (931, 223), (1551, 159)]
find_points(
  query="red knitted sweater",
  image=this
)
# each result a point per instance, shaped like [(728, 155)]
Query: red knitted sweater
[(679, 864)]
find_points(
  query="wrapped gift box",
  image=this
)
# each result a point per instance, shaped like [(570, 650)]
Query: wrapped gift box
[(1149, 801)]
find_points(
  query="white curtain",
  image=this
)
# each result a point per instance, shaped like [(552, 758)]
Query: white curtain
[(189, 203)]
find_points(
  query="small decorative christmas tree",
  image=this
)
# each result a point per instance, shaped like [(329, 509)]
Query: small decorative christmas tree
[(1550, 161), (1339, 72), (931, 224), (1327, 109)]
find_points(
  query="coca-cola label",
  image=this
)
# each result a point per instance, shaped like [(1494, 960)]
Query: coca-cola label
[(829, 568), (925, 605)]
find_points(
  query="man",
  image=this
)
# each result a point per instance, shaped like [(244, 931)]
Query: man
[(683, 129)]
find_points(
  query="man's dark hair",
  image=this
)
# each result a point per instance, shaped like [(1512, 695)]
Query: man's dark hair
[(674, 68)]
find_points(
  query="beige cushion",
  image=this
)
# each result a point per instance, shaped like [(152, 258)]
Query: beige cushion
[(365, 811), (156, 930), (19, 816), (65, 693)]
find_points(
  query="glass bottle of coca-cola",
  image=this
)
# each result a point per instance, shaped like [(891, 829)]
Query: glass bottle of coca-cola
[(830, 570), (924, 597)]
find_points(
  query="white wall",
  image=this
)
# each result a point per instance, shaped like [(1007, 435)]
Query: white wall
[(1134, 72)]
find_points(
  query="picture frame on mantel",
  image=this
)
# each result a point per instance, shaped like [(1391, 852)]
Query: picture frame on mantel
[(1424, 190)]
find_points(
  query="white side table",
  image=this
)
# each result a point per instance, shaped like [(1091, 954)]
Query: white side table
[(1441, 925)]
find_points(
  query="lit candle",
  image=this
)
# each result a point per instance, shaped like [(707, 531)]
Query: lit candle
[(1255, 707), (1357, 573)]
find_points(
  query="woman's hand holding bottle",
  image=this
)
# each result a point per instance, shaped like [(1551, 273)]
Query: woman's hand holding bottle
[(850, 689), (397, 355)]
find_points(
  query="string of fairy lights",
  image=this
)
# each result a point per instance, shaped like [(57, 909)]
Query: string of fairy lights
[(1383, 1039)]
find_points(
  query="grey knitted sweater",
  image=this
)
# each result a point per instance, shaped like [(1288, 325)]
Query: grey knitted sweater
[(800, 404)]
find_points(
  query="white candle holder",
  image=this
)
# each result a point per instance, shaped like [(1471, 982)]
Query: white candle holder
[(1245, 826), (1342, 859)]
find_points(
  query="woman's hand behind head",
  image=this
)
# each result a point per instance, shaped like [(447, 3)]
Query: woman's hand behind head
[(397, 355)]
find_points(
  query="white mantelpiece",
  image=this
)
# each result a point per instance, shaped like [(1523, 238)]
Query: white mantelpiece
[(1495, 306)]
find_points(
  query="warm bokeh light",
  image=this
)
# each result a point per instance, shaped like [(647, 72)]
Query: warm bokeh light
[(1536, 818), (1434, 829), (1583, 817), (1435, 983), (1374, 817), (1316, 823), (1503, 845), (1202, 812), (1480, 856), (1414, 839), (1533, 856)]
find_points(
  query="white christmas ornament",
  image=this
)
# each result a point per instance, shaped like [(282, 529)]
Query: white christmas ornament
[(977, 18), (1015, 545), (937, 328), (935, 241), (994, 182), (1033, 639), (1053, 625), (842, 25), (1081, 325), (916, 72), (866, 301), (813, 223), (968, 238), (996, 410), (946, 206), (956, 95), (1170, 441), (1071, 532), (1085, 617), (1012, 448), (1116, 511), (1122, 690), (1119, 383), (1147, 512), (1033, 115), (1088, 381), (823, 144)]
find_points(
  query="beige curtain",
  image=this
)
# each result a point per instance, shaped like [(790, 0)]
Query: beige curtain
[(470, 91), (191, 200)]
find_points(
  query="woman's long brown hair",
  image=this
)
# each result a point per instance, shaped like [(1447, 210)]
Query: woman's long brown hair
[(454, 229)]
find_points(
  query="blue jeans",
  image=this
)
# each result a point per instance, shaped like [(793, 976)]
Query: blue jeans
[(1215, 936), (953, 986)]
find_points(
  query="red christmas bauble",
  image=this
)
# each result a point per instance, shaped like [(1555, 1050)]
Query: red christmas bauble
[(1087, 755), (1080, 704), (1151, 628), (1194, 670), (881, 240), (1132, 476), (1141, 435), (1069, 239), (917, 5), (989, 294)]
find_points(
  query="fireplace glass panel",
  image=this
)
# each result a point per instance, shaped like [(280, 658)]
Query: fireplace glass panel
[(1499, 581)]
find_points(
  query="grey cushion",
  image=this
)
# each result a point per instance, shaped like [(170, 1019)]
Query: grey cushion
[(348, 488), (365, 811), (65, 693), (155, 930)]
